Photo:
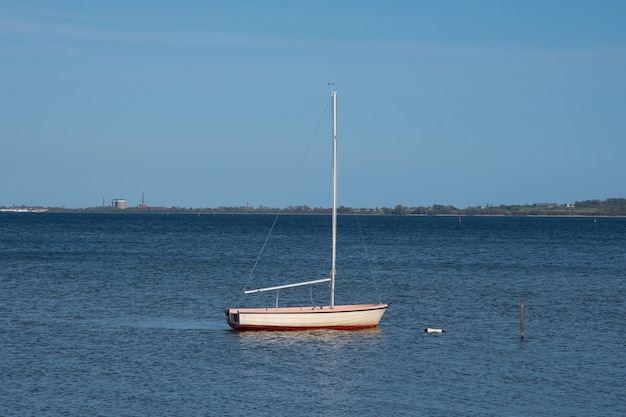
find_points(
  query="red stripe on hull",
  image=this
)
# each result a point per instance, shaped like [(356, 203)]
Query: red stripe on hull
[(287, 329)]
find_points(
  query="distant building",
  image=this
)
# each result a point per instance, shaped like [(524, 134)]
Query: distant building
[(119, 203), (545, 205), (143, 204)]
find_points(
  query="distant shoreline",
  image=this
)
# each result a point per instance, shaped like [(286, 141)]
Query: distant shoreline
[(286, 213), (612, 207)]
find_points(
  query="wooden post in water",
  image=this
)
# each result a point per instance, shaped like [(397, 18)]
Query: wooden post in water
[(521, 318)]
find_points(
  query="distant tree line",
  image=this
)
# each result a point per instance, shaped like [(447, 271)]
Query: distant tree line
[(608, 207)]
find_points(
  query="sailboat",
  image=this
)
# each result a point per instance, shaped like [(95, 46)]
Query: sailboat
[(336, 317)]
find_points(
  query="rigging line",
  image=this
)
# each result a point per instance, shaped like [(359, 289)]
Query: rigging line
[(311, 294), (256, 262), (258, 258), (308, 147), (369, 262)]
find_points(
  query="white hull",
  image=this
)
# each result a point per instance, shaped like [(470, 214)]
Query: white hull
[(344, 317)]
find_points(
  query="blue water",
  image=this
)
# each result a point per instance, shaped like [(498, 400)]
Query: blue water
[(121, 315)]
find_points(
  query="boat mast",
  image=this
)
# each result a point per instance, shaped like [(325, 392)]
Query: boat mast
[(333, 95)]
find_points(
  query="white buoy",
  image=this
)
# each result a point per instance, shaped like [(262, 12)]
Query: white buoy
[(433, 330)]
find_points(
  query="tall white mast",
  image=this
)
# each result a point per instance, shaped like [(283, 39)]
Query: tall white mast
[(333, 94)]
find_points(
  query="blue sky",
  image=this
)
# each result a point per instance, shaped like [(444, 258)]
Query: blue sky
[(209, 103)]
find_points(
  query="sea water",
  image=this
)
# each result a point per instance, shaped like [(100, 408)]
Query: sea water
[(122, 315)]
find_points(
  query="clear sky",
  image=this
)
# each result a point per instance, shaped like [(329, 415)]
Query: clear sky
[(214, 103)]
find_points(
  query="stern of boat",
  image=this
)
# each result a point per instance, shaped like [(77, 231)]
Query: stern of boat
[(232, 318)]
